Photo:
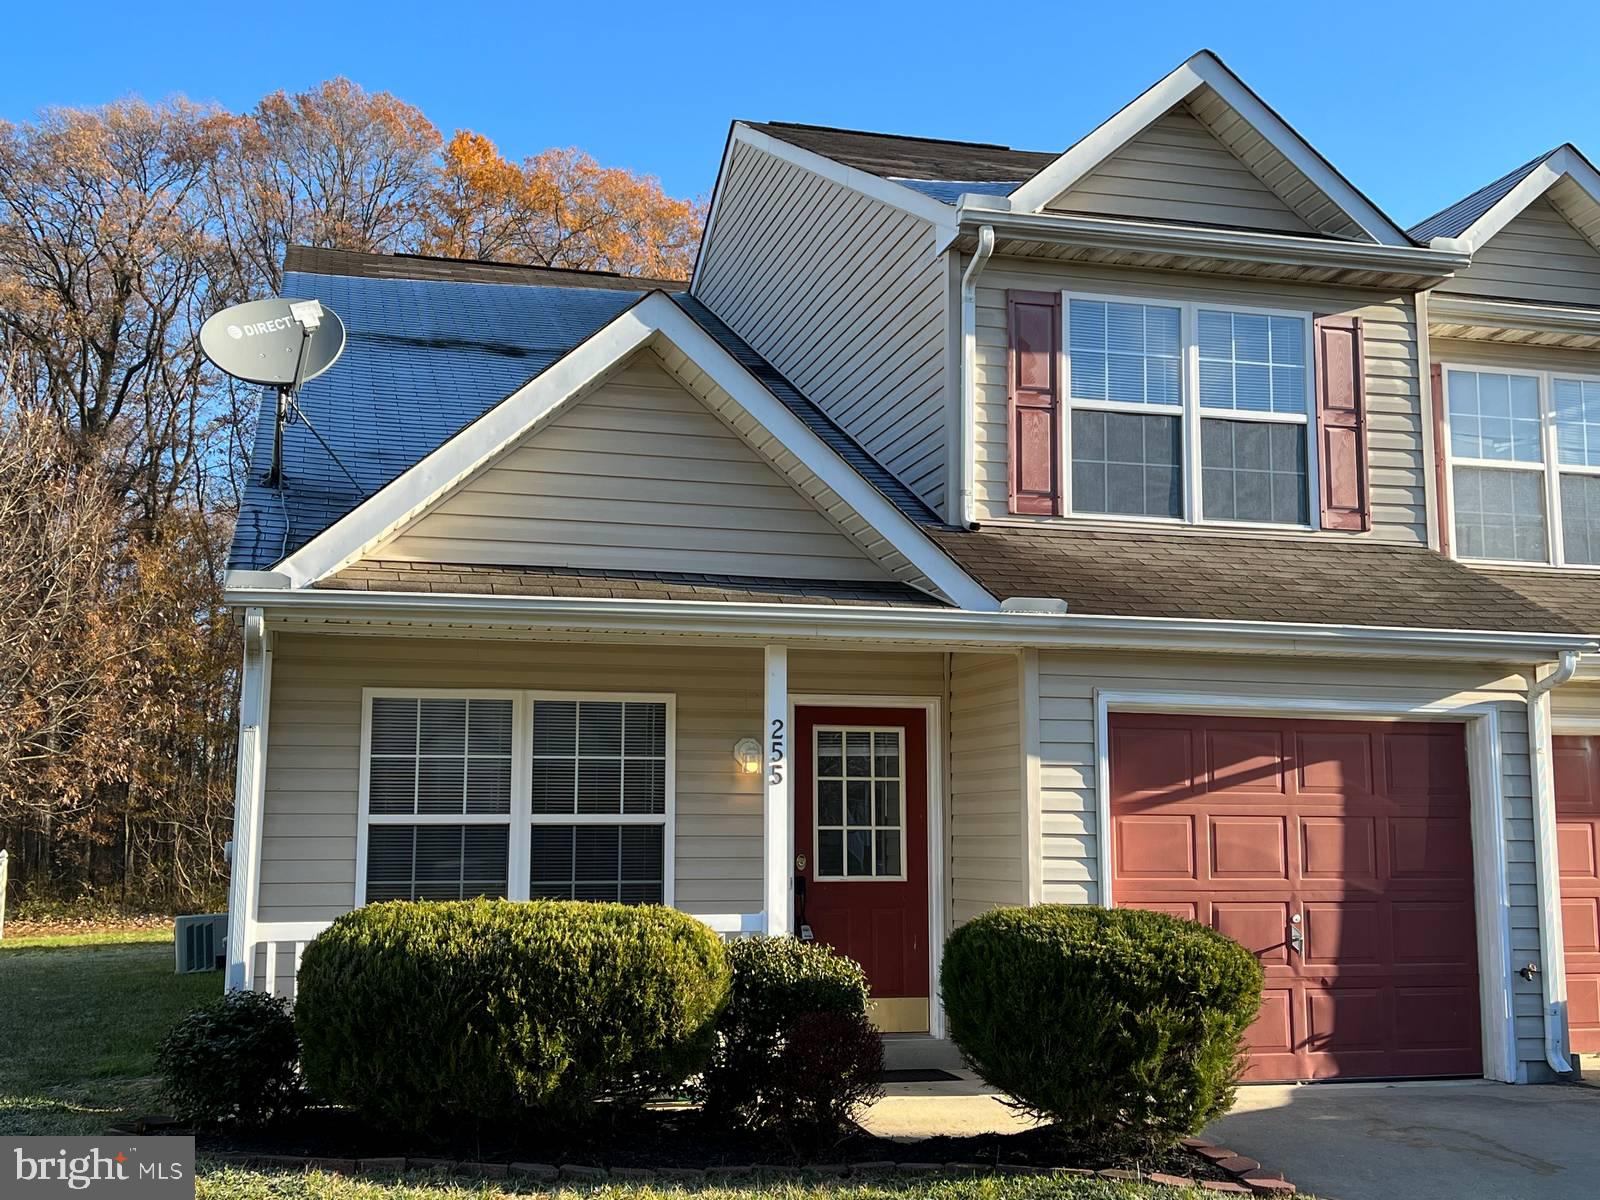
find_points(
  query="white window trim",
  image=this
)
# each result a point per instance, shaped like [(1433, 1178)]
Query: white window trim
[(816, 824), (521, 818), (1550, 466), (1189, 410)]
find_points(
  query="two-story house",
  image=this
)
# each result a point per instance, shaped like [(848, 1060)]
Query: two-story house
[(1153, 522)]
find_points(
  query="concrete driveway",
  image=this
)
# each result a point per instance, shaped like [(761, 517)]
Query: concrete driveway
[(1423, 1141)]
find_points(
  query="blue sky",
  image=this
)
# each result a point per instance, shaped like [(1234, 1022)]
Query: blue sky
[(1418, 103)]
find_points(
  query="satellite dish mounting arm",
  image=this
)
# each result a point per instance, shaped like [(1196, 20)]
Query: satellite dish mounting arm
[(309, 314)]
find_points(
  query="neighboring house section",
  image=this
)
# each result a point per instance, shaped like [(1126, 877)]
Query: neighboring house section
[(843, 292)]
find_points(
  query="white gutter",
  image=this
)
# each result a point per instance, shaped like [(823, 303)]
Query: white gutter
[(969, 370), (1553, 976), (760, 623), (1239, 245)]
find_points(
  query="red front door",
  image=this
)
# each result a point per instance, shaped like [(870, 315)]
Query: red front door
[(1341, 853), (861, 848), (1577, 762)]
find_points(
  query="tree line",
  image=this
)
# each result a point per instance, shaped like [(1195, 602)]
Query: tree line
[(122, 451)]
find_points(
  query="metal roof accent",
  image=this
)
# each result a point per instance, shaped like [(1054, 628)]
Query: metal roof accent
[(1458, 218)]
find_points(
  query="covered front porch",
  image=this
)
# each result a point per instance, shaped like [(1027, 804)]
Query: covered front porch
[(865, 793)]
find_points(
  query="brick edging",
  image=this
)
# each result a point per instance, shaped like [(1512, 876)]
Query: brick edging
[(1252, 1178)]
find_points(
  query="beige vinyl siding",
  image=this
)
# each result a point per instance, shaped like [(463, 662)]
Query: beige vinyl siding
[(1538, 256), (639, 476), (845, 295), (1577, 701), (1177, 170), (984, 832), (1396, 461), (1069, 796), (314, 744)]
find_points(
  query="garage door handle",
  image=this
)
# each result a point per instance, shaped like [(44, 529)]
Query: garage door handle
[(1297, 938)]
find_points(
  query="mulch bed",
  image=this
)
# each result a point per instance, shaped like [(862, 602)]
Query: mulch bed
[(668, 1142)]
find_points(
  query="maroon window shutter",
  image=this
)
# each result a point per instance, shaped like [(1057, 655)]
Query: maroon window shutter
[(1342, 424), (1440, 469), (1033, 322)]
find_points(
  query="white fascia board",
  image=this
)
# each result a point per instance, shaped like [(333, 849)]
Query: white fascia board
[(941, 215), (1563, 162), (1276, 248), (421, 486), (471, 614), (1205, 68)]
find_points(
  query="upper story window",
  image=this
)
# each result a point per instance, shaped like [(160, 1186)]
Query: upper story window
[(1524, 454), (1188, 412)]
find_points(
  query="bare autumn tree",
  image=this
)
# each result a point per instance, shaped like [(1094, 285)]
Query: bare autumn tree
[(122, 452), (334, 166), (558, 209), (105, 259)]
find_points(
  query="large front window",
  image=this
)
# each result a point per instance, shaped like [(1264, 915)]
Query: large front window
[(1524, 452), (1183, 411), (518, 794)]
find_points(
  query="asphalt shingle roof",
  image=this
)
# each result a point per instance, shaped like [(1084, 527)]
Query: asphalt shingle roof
[(586, 583), (1322, 581), (895, 156)]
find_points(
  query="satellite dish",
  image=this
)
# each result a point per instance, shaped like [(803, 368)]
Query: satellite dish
[(280, 343)]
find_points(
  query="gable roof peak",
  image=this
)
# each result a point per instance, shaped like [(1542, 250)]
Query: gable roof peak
[(1205, 72)]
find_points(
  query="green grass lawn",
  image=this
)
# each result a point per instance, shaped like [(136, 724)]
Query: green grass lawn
[(81, 1015), (233, 1184), (79, 1022)]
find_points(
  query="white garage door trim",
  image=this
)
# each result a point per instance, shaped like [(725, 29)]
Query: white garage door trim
[(1490, 889)]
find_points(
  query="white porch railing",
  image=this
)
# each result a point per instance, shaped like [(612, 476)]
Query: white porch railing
[(278, 946)]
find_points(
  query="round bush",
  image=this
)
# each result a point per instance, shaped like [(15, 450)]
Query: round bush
[(492, 1012), (232, 1062), (1123, 1027), (776, 983)]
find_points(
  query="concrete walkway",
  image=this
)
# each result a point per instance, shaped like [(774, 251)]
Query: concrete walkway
[(912, 1111), (1423, 1141)]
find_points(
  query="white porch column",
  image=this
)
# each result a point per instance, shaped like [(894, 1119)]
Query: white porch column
[(249, 783), (777, 823)]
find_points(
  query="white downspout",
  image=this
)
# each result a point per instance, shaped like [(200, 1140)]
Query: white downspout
[(1553, 977), (969, 368)]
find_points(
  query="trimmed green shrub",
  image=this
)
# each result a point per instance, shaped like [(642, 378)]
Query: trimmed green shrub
[(493, 1012), (1123, 1027), (778, 983), (232, 1062)]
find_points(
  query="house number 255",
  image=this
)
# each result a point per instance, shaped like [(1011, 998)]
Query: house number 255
[(776, 754)]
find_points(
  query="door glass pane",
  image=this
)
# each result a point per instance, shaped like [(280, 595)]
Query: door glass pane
[(1253, 471), (859, 808), (1127, 463), (1500, 514)]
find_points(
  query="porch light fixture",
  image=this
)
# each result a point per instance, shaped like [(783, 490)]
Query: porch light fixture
[(747, 753)]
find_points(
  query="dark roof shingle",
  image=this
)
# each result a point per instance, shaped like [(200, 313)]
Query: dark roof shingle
[(1313, 580), (895, 156), (590, 584)]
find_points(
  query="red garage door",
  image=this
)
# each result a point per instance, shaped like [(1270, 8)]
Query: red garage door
[(1578, 850), (1341, 853)]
